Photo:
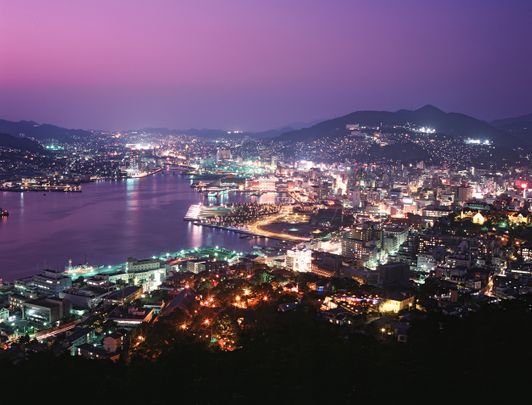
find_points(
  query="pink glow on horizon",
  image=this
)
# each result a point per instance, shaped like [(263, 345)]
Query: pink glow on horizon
[(258, 64)]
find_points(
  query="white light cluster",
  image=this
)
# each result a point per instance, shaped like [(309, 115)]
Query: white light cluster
[(426, 130), (472, 141)]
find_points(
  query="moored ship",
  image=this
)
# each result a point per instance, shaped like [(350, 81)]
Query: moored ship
[(79, 270)]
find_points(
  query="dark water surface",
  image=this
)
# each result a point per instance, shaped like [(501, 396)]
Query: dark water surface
[(104, 224)]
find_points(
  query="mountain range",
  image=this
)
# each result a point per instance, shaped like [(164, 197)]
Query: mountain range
[(16, 142), (453, 124), (41, 132), (505, 132), (220, 133), (520, 127)]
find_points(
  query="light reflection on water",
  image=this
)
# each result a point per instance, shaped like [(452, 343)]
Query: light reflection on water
[(104, 224)]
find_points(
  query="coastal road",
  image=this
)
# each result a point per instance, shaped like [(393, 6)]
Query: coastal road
[(257, 226)]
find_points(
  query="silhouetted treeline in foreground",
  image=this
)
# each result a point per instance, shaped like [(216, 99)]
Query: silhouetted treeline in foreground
[(295, 358)]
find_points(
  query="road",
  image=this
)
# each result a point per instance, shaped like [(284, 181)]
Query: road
[(48, 333), (256, 227)]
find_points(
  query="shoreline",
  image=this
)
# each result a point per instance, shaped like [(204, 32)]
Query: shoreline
[(67, 188), (248, 232), (172, 194), (233, 229), (23, 190)]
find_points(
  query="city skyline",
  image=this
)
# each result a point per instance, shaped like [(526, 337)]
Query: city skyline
[(304, 202), (255, 66)]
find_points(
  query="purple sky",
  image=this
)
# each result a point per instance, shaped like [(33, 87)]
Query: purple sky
[(256, 64)]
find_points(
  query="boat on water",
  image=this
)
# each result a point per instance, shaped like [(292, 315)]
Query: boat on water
[(3, 212), (79, 270)]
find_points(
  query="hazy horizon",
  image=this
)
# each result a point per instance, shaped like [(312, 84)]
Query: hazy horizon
[(293, 125), (256, 66)]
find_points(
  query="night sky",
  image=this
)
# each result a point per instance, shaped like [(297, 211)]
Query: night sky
[(256, 64)]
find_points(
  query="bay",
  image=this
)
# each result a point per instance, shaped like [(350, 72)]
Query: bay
[(104, 224)]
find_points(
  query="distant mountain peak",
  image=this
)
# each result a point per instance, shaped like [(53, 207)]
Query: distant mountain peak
[(41, 132), (520, 127), (429, 108), (19, 143), (451, 124)]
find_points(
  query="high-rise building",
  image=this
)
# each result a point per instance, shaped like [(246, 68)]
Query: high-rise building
[(393, 237), (365, 231), (464, 193), (356, 198), (299, 260), (51, 282), (393, 275), (223, 154), (356, 248)]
